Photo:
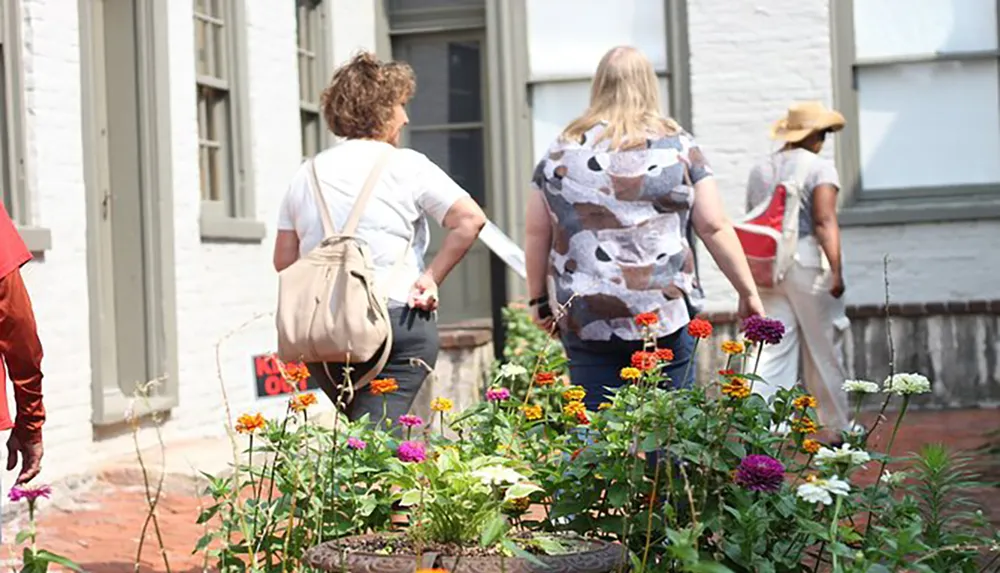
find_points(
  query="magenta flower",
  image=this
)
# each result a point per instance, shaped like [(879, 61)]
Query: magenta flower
[(760, 473), (412, 452), (411, 421), (497, 394), (356, 443), (29, 493), (766, 330)]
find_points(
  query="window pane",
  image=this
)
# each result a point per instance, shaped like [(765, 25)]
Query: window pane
[(6, 179), (556, 104), (924, 125), (422, 4), (460, 153), (888, 28), (568, 37), (448, 80)]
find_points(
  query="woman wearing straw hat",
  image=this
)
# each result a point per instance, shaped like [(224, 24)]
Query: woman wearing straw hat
[(809, 299)]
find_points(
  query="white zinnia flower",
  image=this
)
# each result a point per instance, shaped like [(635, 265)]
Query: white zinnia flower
[(845, 454), (510, 371), (860, 386), (893, 479), (781, 429), (907, 384), (821, 490), (498, 475)]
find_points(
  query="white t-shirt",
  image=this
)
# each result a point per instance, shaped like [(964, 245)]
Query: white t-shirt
[(410, 189)]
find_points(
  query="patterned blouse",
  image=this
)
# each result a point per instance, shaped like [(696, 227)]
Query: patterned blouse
[(619, 246)]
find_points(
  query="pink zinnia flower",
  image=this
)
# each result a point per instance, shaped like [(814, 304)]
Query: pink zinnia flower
[(28, 493), (412, 452), (497, 394), (356, 443), (410, 421)]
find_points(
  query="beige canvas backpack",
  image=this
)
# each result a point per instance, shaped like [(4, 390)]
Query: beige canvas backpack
[(329, 309)]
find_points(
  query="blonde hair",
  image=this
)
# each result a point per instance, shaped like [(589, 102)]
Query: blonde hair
[(625, 94)]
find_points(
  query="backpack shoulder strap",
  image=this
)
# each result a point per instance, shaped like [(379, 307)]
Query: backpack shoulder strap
[(802, 171), (324, 211), (366, 193)]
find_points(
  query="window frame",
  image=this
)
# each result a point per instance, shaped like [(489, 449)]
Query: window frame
[(233, 219), (322, 49), (17, 186), (903, 205)]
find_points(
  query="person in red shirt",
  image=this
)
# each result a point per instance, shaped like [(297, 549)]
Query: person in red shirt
[(21, 353)]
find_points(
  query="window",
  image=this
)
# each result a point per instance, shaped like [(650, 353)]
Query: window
[(919, 84), (13, 188), (227, 206), (311, 24), (562, 59)]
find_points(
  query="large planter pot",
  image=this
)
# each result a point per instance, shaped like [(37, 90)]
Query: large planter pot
[(594, 557)]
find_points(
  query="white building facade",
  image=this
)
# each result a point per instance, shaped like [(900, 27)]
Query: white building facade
[(147, 146)]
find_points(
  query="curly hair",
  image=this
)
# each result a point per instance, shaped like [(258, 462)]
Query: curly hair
[(358, 103)]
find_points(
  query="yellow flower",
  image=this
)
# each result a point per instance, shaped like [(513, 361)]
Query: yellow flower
[(532, 412), (384, 386), (520, 504), (574, 394), (805, 425), (630, 373), (300, 402), (442, 405), (574, 409), (604, 405), (732, 347), (736, 388), (248, 424), (803, 402), (810, 446)]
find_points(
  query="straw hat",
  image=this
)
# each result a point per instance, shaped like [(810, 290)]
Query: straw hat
[(803, 119)]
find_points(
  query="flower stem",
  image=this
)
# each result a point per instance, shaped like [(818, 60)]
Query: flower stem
[(833, 534), (691, 359), (881, 470)]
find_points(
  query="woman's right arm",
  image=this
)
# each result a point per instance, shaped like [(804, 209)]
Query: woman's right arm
[(537, 243), (716, 231)]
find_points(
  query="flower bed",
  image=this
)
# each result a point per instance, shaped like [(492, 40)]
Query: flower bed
[(704, 479)]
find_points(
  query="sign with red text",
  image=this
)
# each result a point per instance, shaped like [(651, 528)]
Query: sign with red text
[(270, 382)]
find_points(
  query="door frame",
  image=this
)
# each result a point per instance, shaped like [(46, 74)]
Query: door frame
[(109, 402)]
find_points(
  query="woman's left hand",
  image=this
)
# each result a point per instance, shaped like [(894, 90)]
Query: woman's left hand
[(750, 306)]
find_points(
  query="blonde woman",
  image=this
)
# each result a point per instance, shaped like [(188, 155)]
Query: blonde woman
[(606, 224)]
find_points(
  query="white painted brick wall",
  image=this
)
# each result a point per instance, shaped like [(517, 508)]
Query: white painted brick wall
[(749, 60)]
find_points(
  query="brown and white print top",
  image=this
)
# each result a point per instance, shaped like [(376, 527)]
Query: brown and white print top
[(619, 218)]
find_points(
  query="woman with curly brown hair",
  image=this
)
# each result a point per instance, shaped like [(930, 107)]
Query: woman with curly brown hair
[(364, 106)]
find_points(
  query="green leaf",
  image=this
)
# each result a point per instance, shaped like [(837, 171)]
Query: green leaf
[(493, 530), (521, 553), (707, 567), (520, 489), (50, 557), (22, 536), (203, 543), (411, 497)]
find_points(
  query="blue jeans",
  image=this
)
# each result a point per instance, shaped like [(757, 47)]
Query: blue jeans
[(596, 365)]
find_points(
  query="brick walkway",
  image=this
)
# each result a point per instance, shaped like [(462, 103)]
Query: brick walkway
[(99, 526)]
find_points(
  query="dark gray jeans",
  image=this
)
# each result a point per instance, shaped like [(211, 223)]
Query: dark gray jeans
[(414, 354)]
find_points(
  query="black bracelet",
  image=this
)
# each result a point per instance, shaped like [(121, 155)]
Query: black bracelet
[(540, 300)]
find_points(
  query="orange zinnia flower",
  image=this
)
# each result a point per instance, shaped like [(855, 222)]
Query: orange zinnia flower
[(646, 319), (545, 378), (803, 402), (700, 328), (575, 409), (250, 423), (384, 386), (295, 372), (810, 446), (644, 360), (805, 425), (300, 402), (664, 354)]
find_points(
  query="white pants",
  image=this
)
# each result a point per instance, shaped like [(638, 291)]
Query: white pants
[(814, 323)]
